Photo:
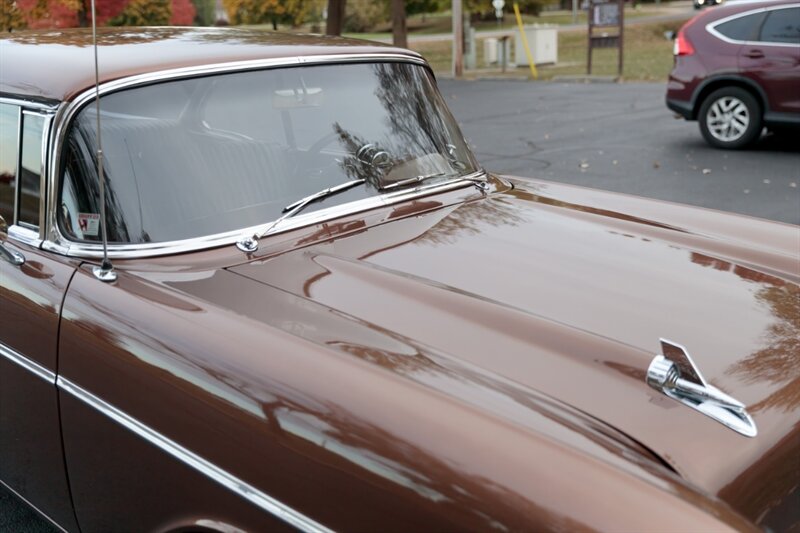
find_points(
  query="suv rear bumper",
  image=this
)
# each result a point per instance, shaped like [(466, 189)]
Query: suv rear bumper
[(684, 109)]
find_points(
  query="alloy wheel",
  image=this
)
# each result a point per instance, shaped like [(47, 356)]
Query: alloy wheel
[(728, 119)]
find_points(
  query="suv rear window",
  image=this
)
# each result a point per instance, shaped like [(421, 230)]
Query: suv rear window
[(742, 28), (782, 26)]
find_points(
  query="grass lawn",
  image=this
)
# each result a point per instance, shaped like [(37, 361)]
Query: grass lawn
[(647, 54)]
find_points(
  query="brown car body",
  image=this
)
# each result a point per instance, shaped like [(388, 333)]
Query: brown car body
[(462, 360)]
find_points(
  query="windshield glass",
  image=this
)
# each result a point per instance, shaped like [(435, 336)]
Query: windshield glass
[(209, 155)]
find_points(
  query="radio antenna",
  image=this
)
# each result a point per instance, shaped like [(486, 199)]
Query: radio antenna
[(105, 272)]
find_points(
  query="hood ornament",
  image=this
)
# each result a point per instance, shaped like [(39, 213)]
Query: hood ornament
[(676, 375)]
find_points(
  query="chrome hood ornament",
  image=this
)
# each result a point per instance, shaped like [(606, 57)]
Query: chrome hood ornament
[(676, 375)]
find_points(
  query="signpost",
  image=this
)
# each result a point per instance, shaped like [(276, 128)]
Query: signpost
[(606, 15)]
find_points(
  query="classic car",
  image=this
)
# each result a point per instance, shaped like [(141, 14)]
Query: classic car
[(302, 304)]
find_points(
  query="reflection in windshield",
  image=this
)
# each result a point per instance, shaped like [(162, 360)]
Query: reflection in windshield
[(209, 155)]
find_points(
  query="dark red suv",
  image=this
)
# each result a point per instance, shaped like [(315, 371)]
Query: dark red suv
[(737, 70)]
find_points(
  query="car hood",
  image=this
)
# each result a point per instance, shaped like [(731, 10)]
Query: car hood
[(543, 293)]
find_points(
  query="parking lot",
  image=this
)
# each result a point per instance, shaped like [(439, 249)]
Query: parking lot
[(621, 137)]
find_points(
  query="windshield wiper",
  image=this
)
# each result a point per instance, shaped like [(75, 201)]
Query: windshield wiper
[(250, 243), (481, 184)]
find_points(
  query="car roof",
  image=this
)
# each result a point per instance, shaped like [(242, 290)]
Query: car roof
[(56, 65)]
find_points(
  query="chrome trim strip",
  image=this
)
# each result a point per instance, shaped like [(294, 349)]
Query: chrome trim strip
[(29, 504), (130, 251), (28, 364), (227, 480), (25, 235), (47, 119), (56, 242), (711, 27), (17, 169), (28, 104)]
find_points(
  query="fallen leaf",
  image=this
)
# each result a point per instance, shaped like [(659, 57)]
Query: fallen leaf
[(656, 164)]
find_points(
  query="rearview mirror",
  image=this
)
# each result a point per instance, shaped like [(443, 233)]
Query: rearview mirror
[(300, 97)]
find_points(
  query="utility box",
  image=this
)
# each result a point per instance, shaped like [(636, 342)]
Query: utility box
[(497, 51), (543, 41), (490, 51)]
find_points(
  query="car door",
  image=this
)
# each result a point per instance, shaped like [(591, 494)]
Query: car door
[(773, 60), (32, 287)]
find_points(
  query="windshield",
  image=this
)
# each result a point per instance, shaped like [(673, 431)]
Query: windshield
[(208, 155)]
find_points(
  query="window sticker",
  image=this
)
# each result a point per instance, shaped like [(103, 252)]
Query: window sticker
[(89, 224)]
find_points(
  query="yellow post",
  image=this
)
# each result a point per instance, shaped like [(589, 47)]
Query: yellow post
[(525, 42)]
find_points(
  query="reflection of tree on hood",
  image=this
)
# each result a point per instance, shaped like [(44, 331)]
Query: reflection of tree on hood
[(777, 363)]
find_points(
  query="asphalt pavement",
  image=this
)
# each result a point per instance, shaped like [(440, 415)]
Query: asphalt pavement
[(621, 137)]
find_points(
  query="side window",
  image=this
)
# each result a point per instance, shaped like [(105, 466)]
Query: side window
[(782, 26), (742, 28), (31, 168), (9, 155)]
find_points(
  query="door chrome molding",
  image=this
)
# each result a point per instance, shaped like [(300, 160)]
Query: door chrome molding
[(28, 364), (676, 375), (29, 504), (210, 470)]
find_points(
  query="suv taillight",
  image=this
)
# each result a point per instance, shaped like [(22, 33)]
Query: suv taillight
[(683, 47)]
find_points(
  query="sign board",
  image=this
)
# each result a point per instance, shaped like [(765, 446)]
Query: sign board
[(605, 14)]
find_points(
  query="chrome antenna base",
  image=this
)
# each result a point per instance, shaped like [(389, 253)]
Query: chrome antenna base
[(247, 244), (676, 375), (105, 272)]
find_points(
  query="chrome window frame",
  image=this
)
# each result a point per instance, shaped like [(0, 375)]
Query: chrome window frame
[(27, 234), (56, 241), (711, 27)]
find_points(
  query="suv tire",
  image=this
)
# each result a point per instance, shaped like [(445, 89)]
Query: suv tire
[(730, 118)]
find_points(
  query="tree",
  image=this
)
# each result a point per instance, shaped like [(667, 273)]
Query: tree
[(399, 28), (335, 17), (275, 12), (71, 13), (11, 18), (143, 13), (205, 12)]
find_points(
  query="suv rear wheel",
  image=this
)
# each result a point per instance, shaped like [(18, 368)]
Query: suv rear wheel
[(730, 118)]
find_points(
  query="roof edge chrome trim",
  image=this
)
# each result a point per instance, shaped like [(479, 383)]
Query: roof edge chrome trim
[(711, 27), (28, 364), (56, 242), (210, 470), (133, 251)]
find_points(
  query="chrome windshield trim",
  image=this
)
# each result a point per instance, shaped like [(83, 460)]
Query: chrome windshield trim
[(210, 470), (55, 241), (28, 364), (133, 251), (711, 27), (29, 104)]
